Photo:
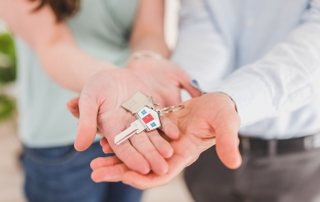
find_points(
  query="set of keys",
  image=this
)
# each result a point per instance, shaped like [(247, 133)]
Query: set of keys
[(148, 117)]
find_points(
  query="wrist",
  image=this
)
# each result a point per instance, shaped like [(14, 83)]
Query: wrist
[(221, 97), (145, 54), (234, 103), (144, 64)]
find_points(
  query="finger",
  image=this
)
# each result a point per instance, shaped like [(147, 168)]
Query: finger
[(104, 162), (227, 142), (112, 126), (87, 126), (74, 103), (104, 141), (169, 128), (162, 146), (74, 112), (143, 145), (109, 174), (180, 159), (74, 107), (106, 148), (185, 82), (131, 157), (134, 179)]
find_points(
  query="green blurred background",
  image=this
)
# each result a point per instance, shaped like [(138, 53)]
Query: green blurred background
[(7, 76)]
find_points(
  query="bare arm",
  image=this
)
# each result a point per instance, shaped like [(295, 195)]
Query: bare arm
[(148, 34), (60, 57), (148, 31)]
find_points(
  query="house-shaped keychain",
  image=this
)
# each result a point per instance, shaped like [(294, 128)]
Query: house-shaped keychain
[(150, 118)]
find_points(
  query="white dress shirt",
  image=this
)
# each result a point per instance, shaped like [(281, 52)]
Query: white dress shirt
[(264, 54)]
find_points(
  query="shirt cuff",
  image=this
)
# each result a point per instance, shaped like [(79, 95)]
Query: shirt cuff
[(251, 96)]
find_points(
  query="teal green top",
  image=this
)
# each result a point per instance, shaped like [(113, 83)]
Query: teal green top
[(102, 29)]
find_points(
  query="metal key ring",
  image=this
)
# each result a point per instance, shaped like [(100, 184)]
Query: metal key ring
[(172, 109)]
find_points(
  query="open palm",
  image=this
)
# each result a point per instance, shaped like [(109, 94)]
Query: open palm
[(99, 107), (205, 121)]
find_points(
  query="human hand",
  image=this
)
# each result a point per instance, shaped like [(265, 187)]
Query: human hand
[(99, 107), (206, 120), (164, 78)]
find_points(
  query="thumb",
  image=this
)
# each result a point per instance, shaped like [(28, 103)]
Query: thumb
[(227, 124), (73, 106), (87, 126)]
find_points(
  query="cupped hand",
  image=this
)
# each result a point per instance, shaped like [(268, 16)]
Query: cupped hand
[(99, 107), (205, 121)]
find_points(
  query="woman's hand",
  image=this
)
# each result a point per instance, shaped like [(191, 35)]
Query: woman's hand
[(99, 107), (205, 121)]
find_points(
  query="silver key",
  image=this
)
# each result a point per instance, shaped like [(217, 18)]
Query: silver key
[(148, 119), (136, 127)]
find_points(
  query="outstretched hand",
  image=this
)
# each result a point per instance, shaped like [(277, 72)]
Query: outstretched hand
[(205, 121), (99, 107)]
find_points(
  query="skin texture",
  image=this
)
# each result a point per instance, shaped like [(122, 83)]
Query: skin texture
[(205, 121), (148, 31), (100, 107)]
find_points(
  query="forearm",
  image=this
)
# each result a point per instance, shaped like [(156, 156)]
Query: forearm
[(151, 43), (69, 66), (285, 79), (148, 30), (60, 57)]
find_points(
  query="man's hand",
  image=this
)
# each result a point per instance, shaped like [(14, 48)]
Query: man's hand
[(99, 107), (206, 120)]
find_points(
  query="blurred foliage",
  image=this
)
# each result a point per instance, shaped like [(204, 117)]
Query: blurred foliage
[(7, 59), (7, 107), (8, 70)]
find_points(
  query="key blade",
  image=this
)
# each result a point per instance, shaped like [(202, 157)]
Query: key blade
[(136, 127), (127, 133), (123, 136)]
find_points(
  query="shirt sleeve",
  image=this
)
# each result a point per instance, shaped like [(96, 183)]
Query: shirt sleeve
[(198, 35), (285, 79)]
